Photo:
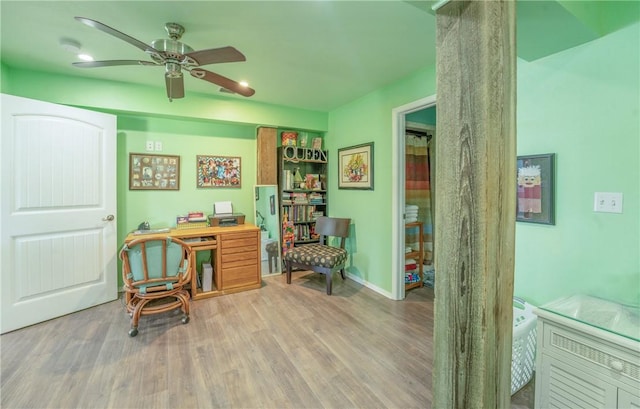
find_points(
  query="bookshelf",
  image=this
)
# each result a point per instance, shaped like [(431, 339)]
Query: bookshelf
[(303, 194)]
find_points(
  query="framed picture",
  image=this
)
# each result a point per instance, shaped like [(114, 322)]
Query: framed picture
[(535, 189), (316, 144), (154, 172), (355, 167), (218, 171)]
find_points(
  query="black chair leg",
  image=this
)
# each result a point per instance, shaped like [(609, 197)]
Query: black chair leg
[(342, 273), (288, 272), (328, 283)]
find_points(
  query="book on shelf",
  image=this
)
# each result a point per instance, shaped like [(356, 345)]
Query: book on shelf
[(299, 198), (287, 179), (316, 198)]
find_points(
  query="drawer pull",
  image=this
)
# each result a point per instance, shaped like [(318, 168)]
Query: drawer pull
[(616, 366)]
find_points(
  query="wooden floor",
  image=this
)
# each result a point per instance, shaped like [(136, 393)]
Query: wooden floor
[(278, 347)]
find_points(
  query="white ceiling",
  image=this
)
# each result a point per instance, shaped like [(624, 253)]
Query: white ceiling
[(314, 55)]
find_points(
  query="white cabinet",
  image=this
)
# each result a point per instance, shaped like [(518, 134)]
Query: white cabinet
[(582, 365)]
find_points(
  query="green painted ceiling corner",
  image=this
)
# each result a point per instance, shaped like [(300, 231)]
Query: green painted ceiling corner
[(548, 27), (545, 28), (604, 17)]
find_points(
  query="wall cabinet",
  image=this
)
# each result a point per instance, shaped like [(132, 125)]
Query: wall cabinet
[(303, 195)]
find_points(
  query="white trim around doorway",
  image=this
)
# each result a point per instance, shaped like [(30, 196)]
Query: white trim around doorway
[(398, 124)]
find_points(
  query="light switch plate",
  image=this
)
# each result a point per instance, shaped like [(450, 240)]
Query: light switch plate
[(607, 202), (149, 146), (158, 146)]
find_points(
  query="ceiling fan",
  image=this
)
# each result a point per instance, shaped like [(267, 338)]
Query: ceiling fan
[(174, 56)]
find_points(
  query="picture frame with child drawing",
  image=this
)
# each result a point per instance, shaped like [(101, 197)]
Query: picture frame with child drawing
[(535, 185)]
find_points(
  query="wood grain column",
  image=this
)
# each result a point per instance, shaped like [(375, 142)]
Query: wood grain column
[(267, 156), (475, 203)]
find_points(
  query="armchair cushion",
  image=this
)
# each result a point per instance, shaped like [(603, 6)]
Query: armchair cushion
[(318, 255), (155, 260)]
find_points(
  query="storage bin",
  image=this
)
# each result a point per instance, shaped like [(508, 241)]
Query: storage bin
[(289, 138), (523, 353)]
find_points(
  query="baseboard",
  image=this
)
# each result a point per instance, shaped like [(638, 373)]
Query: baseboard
[(367, 284)]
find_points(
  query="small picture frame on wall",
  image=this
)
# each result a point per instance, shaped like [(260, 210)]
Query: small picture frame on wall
[(154, 172), (215, 171), (316, 144), (535, 202), (355, 167)]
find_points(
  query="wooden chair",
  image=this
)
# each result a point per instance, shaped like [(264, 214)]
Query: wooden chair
[(322, 257), (155, 271)]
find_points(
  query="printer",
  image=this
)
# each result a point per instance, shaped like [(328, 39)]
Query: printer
[(223, 215)]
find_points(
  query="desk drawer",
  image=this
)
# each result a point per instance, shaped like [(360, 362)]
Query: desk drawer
[(240, 276), (239, 259), (231, 240)]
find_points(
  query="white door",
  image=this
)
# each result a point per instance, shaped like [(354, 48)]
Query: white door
[(57, 207)]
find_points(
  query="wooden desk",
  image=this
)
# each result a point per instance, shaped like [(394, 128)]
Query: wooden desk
[(235, 256)]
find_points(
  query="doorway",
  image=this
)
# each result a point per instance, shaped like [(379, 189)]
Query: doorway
[(399, 123)]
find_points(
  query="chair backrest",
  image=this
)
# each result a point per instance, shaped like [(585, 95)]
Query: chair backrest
[(155, 259), (332, 227)]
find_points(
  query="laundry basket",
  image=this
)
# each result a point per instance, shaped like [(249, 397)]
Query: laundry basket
[(523, 355)]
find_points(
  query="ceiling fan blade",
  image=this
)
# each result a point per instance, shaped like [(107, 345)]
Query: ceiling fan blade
[(175, 87), (224, 82), (217, 55), (110, 63), (102, 27)]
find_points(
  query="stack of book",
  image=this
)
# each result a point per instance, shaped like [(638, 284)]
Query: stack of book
[(192, 220), (315, 198), (411, 273), (286, 198), (299, 198)]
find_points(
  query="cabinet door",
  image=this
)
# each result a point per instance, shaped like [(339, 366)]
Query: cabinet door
[(628, 400), (564, 386)]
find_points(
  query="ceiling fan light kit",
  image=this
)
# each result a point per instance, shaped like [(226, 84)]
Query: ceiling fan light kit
[(174, 56)]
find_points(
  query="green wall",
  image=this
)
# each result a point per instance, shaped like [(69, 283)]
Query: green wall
[(160, 208), (121, 97), (583, 104), (369, 120)]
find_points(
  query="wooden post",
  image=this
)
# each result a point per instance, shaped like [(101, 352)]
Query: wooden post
[(475, 203), (267, 156)]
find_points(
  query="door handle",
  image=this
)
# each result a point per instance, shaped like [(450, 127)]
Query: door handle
[(108, 218)]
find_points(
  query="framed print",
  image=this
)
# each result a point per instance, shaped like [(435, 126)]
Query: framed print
[(154, 172), (355, 167), (535, 189), (218, 171)]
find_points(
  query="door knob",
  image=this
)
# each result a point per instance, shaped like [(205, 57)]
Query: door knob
[(108, 218)]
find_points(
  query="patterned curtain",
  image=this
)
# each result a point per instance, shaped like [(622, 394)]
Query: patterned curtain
[(418, 192)]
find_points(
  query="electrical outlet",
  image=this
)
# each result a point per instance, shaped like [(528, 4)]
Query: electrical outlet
[(158, 146), (149, 147), (607, 202)]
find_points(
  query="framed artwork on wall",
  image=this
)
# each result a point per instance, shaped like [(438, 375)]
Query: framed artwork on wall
[(218, 171), (154, 172), (535, 202), (355, 167)]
